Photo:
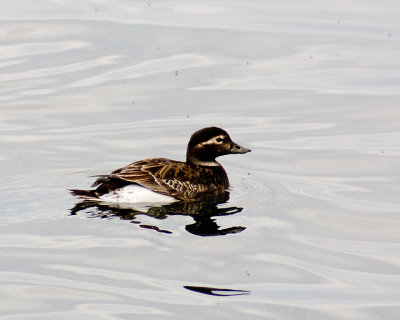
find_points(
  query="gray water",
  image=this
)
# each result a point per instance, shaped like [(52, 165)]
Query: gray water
[(312, 87)]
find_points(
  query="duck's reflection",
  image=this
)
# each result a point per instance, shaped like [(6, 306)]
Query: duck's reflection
[(221, 292), (203, 214)]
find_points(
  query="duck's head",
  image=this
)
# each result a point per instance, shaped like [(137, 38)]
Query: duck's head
[(209, 143)]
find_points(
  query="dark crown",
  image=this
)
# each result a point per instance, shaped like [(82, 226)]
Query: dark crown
[(204, 135)]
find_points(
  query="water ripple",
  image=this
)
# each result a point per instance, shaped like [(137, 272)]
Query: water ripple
[(149, 67)]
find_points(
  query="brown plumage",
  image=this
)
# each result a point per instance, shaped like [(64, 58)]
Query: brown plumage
[(200, 177)]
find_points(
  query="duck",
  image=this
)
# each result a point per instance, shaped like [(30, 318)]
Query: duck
[(199, 178)]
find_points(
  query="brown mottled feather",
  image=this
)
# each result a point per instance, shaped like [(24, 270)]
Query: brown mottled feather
[(174, 178)]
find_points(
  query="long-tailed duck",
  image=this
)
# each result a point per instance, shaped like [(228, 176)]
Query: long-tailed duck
[(199, 178)]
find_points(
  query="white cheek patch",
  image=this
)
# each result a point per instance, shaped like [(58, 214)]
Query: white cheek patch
[(213, 140)]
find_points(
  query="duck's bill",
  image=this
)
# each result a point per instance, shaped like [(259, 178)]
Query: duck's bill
[(235, 148)]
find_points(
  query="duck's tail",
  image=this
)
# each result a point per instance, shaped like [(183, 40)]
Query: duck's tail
[(85, 194)]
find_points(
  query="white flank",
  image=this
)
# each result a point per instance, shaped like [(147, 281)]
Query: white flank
[(136, 194)]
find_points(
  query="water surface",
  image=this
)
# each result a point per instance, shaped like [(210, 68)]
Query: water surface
[(311, 226)]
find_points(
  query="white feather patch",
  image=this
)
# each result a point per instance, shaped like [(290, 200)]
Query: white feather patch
[(214, 140), (136, 194)]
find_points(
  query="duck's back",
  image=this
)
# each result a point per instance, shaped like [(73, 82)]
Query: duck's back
[(168, 177)]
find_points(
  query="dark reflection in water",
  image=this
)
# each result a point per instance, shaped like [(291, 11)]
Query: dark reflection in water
[(217, 291), (203, 214)]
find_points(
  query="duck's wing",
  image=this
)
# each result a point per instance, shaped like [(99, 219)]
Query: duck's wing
[(167, 177)]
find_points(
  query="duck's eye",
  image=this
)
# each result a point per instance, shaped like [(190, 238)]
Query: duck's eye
[(219, 140)]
